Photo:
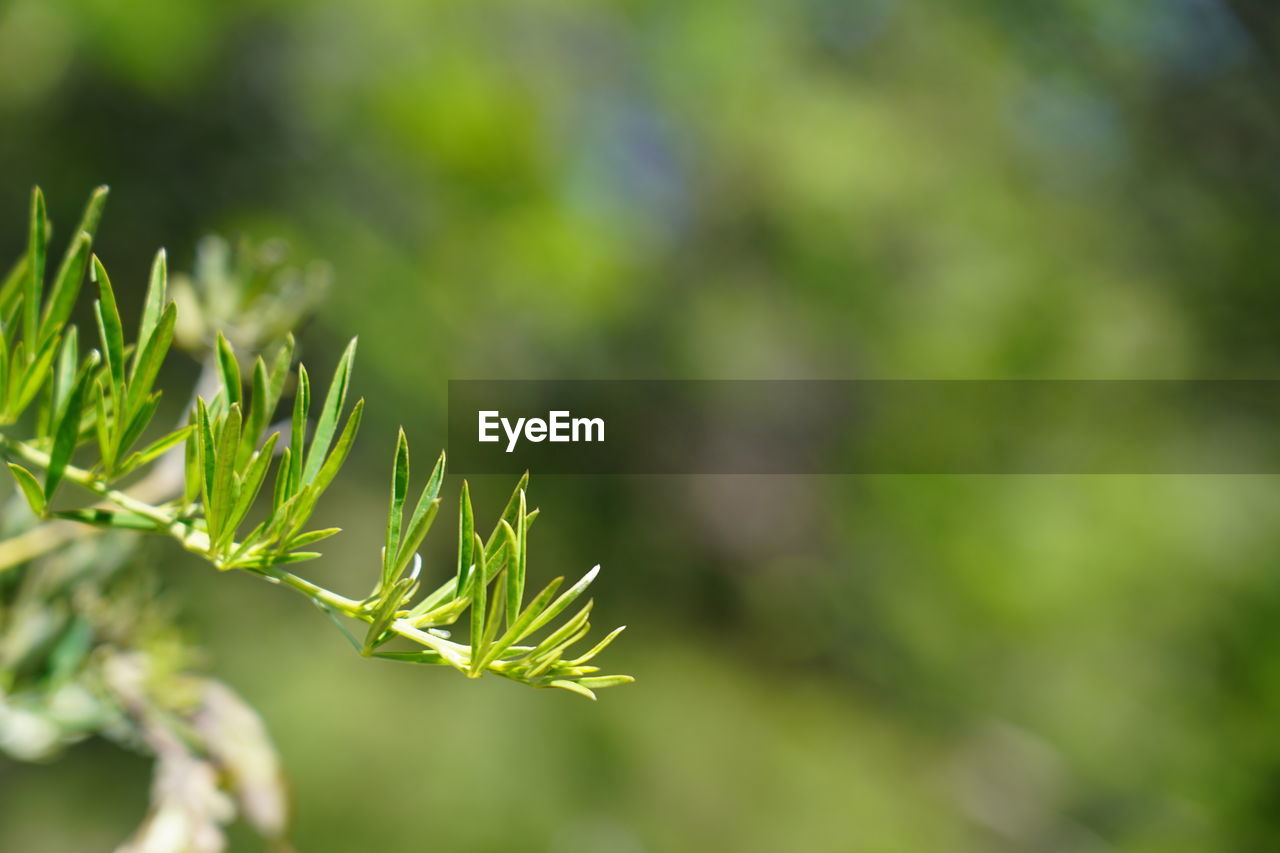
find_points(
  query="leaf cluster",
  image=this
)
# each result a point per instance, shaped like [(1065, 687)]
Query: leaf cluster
[(98, 405)]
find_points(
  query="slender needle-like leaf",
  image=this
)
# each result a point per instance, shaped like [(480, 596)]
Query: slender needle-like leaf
[(420, 520), (37, 234), (154, 303), (478, 591), (466, 539), (109, 324), (228, 370), (399, 488), (65, 436), (30, 488), (328, 422)]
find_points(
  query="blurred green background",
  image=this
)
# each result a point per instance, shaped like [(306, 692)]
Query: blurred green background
[(802, 189)]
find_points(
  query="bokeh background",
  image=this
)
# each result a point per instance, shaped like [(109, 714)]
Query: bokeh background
[(727, 189)]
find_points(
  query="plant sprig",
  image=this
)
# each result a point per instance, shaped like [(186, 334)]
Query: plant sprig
[(102, 403)]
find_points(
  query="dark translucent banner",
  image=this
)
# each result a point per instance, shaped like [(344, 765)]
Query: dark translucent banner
[(865, 427)]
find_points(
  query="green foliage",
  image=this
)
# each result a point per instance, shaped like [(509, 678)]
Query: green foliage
[(99, 405)]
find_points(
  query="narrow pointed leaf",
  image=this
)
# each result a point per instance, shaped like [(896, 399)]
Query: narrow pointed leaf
[(312, 536), (395, 516), (15, 282), (564, 600), (34, 376), (520, 628), (599, 682), (573, 687), (30, 488), (282, 481), (493, 547), (228, 371), (64, 376), (154, 303), (222, 500), (517, 560), (598, 647), (149, 358), (109, 325), (559, 637), (340, 450), (157, 448), (478, 590), (119, 519), (65, 436), (37, 234), (466, 539), (255, 475), (329, 414), (256, 419), (66, 285), (424, 514), (298, 436)]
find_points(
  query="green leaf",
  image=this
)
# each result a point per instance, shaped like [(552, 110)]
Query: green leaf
[(66, 285), (156, 449), (71, 271), (109, 327), (478, 590), (547, 653), (119, 519), (598, 648), (399, 489), (340, 450), (222, 501), (64, 376), (279, 372), (4, 370), (573, 687), (207, 460), (267, 560), (282, 481), (15, 282), (92, 214), (446, 614), (153, 304), (66, 435), (520, 628), (255, 475), (37, 235), (423, 515), (599, 682), (420, 656), (193, 479), (137, 424), (517, 560), (103, 426), (33, 376), (310, 537), (30, 488), (256, 419), (497, 612), (466, 536), (328, 422), (560, 637), (298, 436), (564, 600), (148, 359), (228, 370), (493, 547)]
